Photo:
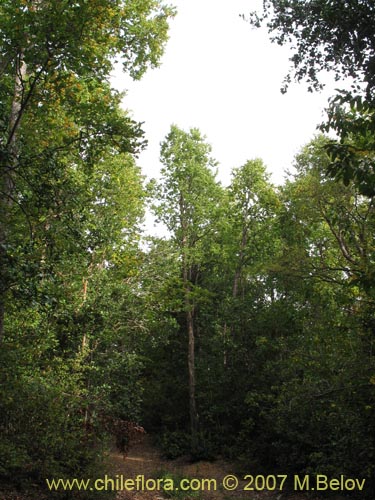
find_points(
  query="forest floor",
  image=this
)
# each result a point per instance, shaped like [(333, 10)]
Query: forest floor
[(145, 460)]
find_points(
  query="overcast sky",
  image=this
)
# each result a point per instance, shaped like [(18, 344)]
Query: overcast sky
[(224, 77)]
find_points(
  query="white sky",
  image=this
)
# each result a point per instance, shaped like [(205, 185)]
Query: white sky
[(222, 76)]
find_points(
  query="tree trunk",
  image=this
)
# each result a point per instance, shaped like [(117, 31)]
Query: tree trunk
[(191, 357), (191, 367), (8, 166)]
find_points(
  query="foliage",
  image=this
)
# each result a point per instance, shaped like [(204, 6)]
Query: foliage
[(315, 365), (336, 37), (283, 326), (352, 158), (248, 331), (71, 207), (174, 444)]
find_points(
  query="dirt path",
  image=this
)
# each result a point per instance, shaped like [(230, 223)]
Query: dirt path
[(144, 460)]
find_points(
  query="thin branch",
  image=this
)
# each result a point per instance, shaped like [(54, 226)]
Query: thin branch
[(338, 235), (26, 101)]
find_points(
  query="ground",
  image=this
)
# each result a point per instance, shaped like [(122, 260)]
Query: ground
[(143, 459)]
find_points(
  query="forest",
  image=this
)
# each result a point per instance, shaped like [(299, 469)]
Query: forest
[(246, 331)]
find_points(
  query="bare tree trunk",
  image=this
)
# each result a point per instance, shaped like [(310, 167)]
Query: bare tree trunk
[(8, 166), (189, 315), (191, 367), (191, 355), (191, 342)]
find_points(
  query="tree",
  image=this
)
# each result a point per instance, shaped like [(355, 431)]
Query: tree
[(305, 353), (324, 279), (56, 58), (352, 117), (187, 201), (335, 222), (333, 36), (339, 37), (70, 209)]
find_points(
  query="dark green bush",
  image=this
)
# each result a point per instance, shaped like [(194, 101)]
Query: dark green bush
[(173, 444)]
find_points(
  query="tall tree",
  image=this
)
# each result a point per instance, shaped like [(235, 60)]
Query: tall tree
[(55, 62), (188, 196)]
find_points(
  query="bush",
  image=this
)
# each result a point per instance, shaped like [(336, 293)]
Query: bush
[(173, 444), (41, 427)]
